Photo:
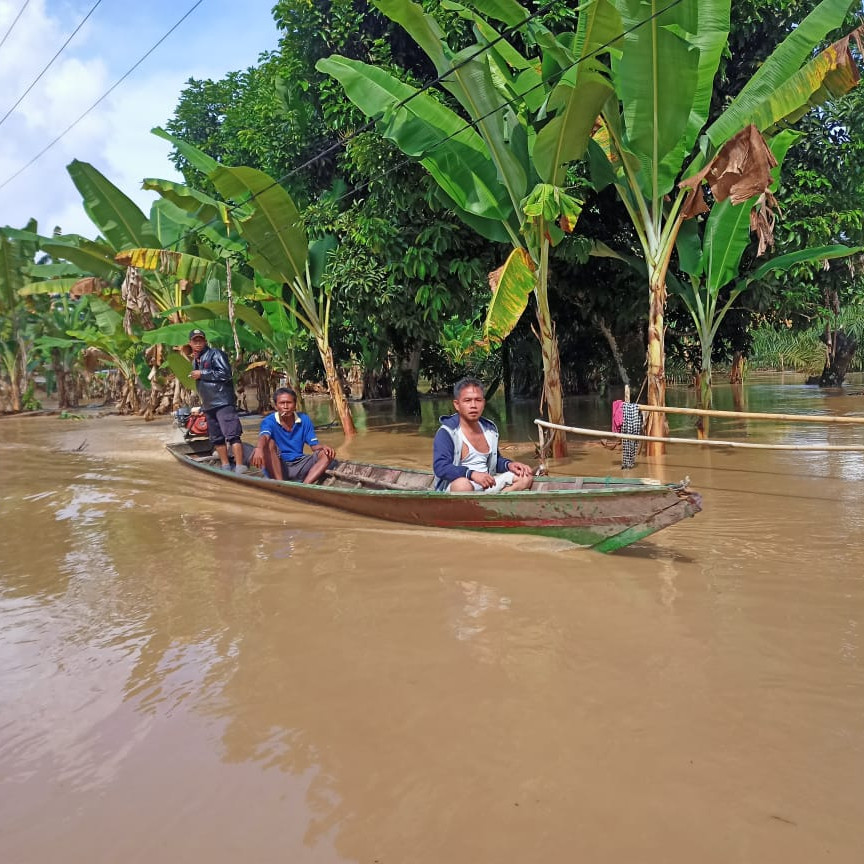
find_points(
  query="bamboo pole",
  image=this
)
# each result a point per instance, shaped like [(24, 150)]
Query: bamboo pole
[(753, 415), (855, 448)]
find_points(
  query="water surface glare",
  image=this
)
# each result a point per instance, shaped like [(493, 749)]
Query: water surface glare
[(193, 671)]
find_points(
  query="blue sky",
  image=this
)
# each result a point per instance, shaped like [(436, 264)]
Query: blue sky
[(219, 36)]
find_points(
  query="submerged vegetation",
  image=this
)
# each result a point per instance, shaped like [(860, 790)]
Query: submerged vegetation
[(379, 199)]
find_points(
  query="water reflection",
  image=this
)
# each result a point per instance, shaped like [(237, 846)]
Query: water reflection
[(269, 681)]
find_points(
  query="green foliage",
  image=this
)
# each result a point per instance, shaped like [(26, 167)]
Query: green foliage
[(778, 350)]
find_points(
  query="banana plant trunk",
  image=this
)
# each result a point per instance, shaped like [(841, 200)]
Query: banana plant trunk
[(66, 391), (9, 360), (14, 392), (334, 383), (705, 398), (552, 392), (656, 426)]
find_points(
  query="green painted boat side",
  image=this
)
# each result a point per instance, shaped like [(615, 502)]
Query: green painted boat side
[(604, 513)]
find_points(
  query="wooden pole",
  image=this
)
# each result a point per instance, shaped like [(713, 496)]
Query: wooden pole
[(599, 433), (753, 415)]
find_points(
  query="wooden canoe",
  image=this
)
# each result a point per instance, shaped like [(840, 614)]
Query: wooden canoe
[(603, 513)]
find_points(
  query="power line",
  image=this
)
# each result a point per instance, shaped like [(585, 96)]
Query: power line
[(12, 25), (102, 98), (408, 160), (507, 31), (50, 62)]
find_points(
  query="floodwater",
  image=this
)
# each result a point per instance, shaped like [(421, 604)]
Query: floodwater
[(191, 671)]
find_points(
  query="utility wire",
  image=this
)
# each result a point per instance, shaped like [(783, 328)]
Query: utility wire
[(50, 62), (12, 25), (370, 124), (102, 98), (410, 159)]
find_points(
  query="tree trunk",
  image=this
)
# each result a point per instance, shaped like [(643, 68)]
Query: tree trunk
[(407, 372), (506, 376), (553, 395), (841, 352), (130, 402), (616, 351), (337, 394), (657, 425), (703, 382), (14, 392), (67, 392), (736, 373), (377, 384)]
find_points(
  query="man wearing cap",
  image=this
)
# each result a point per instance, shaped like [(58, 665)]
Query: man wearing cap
[(211, 372), (281, 440)]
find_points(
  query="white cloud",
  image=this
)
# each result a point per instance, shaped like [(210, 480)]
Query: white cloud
[(115, 137)]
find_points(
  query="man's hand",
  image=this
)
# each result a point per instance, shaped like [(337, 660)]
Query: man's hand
[(257, 457), (520, 469), (195, 374), (482, 479), (329, 452)]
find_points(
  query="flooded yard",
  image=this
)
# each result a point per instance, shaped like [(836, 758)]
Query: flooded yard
[(194, 671)]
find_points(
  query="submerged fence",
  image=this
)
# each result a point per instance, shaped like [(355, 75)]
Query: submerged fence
[(709, 442)]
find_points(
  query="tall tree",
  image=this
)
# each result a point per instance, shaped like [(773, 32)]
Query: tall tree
[(663, 81)]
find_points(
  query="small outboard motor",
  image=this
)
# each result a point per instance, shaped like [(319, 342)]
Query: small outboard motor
[(193, 422)]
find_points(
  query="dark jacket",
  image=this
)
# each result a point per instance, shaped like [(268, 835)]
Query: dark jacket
[(446, 458), (215, 386)]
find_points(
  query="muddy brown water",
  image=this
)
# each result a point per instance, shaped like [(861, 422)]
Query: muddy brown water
[(190, 671)]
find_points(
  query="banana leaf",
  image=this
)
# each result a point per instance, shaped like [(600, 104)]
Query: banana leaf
[(453, 153), (179, 265), (727, 228), (656, 79), (469, 79), (576, 101), (579, 95), (117, 216), (90, 255), (181, 367), (509, 12), (197, 158), (274, 230), (512, 285), (766, 94), (49, 286), (802, 256), (208, 215)]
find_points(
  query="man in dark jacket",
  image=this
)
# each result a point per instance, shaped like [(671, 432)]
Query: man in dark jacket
[(211, 372)]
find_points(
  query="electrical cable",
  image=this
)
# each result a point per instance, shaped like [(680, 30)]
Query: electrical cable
[(102, 98), (408, 160), (370, 124), (50, 63), (12, 25)]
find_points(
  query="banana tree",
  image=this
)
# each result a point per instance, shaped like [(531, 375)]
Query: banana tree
[(279, 251), (62, 315), (276, 247), (504, 173), (662, 71), (17, 250), (107, 343), (713, 260)]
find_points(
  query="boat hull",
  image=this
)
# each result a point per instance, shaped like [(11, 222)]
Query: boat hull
[(601, 513)]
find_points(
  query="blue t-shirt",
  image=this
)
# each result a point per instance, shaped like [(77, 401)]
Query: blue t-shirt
[(290, 441)]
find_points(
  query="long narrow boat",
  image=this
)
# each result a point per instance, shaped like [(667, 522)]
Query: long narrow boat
[(604, 513)]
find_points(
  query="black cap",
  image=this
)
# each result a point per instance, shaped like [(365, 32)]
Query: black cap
[(196, 332)]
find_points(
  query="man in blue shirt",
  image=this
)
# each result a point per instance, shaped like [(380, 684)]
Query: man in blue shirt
[(281, 439)]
